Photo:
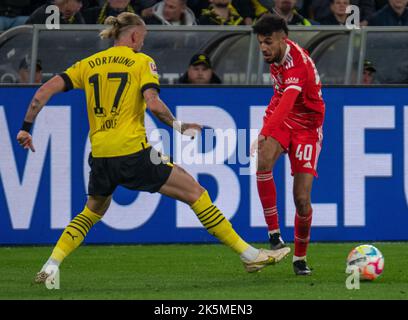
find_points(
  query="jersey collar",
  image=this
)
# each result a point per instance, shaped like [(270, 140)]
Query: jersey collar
[(284, 56)]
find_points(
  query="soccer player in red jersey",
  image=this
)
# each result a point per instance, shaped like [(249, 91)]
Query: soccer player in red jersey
[(292, 124)]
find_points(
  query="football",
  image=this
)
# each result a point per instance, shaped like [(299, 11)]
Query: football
[(368, 259)]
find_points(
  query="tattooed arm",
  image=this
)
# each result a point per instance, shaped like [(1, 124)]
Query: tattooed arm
[(162, 112), (41, 97)]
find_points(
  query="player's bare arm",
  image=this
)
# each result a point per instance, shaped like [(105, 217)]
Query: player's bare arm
[(41, 97), (163, 113)]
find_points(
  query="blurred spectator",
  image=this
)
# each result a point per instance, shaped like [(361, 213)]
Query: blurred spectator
[(305, 8), (145, 7), (86, 4), (320, 9), (286, 9), (367, 9), (368, 72), (395, 13), (338, 15), (245, 9), (69, 13), (172, 12), (379, 4), (262, 6), (197, 6), (113, 8), (24, 71), (34, 5), (251, 9), (12, 13), (220, 12), (200, 71)]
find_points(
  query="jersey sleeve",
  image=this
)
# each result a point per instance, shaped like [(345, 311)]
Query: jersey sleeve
[(282, 110), (72, 77), (295, 77), (273, 102), (149, 77), (293, 81)]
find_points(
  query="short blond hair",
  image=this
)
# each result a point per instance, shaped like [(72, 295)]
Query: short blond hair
[(118, 25)]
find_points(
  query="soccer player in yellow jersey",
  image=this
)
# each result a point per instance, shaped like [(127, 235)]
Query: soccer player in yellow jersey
[(119, 82)]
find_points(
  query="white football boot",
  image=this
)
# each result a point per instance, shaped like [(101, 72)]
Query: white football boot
[(265, 258), (48, 273)]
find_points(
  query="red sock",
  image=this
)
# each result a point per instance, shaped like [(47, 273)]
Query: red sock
[(267, 195), (302, 233)]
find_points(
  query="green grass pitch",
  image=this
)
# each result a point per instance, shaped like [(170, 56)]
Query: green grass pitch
[(191, 272)]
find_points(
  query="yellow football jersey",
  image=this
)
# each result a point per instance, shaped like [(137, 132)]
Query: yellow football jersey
[(259, 8), (114, 81)]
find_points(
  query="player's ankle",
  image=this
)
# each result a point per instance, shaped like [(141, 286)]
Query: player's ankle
[(53, 262), (249, 254), (295, 258), (274, 231)]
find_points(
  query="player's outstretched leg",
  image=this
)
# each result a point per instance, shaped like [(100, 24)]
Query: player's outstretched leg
[(269, 151), (303, 221), (183, 187), (73, 235)]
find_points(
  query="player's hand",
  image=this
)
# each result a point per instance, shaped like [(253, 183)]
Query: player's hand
[(254, 147), (25, 140), (191, 129)]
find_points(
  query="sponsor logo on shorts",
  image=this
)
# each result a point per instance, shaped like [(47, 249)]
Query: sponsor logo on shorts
[(307, 165)]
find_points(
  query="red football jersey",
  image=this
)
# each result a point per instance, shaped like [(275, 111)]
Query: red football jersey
[(297, 71)]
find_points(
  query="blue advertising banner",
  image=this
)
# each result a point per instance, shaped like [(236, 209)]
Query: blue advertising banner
[(361, 193)]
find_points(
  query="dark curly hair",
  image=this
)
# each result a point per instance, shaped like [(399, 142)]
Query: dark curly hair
[(270, 23)]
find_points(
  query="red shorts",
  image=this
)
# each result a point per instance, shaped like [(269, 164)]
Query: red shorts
[(302, 145)]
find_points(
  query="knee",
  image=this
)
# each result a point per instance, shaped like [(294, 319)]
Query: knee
[(195, 193), (99, 205), (302, 203), (265, 160)]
